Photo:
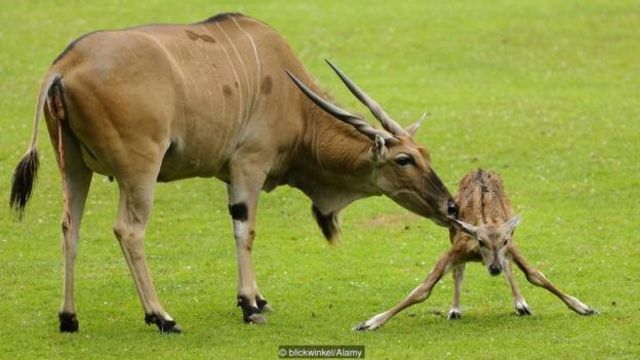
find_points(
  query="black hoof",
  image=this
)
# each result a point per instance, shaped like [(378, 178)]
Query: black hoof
[(523, 310), (68, 322), (589, 312), (454, 315), (250, 314), (361, 327), (263, 306), (165, 326)]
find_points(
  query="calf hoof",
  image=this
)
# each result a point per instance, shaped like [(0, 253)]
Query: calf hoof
[(523, 310), (68, 322), (165, 326), (454, 314), (589, 312)]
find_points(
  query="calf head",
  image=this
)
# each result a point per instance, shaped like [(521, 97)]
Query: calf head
[(492, 241)]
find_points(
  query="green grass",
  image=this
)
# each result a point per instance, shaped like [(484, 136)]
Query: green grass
[(547, 93)]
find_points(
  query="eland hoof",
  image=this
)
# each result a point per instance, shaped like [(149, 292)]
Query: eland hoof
[(68, 322)]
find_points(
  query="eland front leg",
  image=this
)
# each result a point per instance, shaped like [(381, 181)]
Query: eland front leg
[(243, 193)]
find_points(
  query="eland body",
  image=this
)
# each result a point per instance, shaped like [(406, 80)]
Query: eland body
[(222, 98)]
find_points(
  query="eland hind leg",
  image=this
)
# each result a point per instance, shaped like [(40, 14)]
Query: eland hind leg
[(76, 177), (136, 198)]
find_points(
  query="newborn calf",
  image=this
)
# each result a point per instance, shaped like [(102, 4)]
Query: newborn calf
[(484, 232)]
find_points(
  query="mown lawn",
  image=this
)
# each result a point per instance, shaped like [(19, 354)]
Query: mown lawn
[(547, 93)]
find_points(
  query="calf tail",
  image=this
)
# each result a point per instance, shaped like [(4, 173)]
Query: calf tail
[(25, 173)]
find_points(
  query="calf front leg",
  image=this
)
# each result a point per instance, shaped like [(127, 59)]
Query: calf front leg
[(458, 276), (536, 278), (419, 294), (518, 301)]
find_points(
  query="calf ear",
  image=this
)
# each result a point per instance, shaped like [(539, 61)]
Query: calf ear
[(379, 149), (465, 227), (511, 224)]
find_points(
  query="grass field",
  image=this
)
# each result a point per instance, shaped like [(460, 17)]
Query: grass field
[(547, 93)]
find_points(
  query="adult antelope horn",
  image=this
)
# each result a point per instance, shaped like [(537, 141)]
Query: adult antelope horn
[(375, 108), (341, 114)]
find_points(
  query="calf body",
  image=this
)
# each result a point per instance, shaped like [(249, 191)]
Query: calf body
[(483, 232)]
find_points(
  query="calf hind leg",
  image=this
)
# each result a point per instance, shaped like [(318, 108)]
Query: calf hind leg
[(536, 278)]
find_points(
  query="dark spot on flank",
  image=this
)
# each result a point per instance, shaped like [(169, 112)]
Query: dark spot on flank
[(193, 36), (207, 38), (239, 211), (226, 90), (267, 84), (235, 84)]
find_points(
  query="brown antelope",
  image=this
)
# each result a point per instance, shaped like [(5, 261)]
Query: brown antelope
[(483, 232), (212, 99)]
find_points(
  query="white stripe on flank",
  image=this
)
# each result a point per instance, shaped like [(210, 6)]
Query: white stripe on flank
[(255, 53), (235, 50), (215, 72), (233, 69)]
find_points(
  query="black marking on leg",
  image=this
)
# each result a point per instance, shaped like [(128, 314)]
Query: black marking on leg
[(165, 326), (247, 309), (239, 211), (68, 322), (328, 223)]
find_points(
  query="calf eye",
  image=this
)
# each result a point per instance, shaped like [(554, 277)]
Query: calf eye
[(404, 160)]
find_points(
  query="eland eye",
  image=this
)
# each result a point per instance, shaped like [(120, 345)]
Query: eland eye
[(404, 160)]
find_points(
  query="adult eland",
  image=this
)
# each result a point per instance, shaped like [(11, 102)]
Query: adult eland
[(224, 98)]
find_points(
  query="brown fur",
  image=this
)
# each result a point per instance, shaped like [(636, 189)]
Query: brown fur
[(210, 99), (486, 218)]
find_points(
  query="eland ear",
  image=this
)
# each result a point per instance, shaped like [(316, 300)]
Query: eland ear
[(511, 224), (379, 149), (413, 128), (464, 227)]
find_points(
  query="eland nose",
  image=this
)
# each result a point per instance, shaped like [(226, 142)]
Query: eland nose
[(452, 209), (495, 270)]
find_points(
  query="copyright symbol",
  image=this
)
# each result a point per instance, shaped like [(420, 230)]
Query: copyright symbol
[(282, 352)]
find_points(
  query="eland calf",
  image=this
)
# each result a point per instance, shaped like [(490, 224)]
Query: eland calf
[(483, 232), (224, 98)]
